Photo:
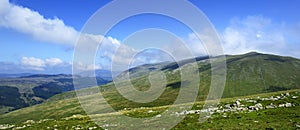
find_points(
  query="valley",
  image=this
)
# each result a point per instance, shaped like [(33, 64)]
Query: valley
[(31, 89)]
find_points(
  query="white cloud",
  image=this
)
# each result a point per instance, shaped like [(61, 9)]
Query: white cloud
[(108, 47), (32, 23), (37, 64), (4, 6), (82, 67), (258, 33), (53, 61), (33, 63), (53, 30), (254, 33)]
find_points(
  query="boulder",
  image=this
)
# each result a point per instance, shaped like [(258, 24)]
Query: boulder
[(288, 104), (238, 103)]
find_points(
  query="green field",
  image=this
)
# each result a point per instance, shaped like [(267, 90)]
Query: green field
[(271, 118)]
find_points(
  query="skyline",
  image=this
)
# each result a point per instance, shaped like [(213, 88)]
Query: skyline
[(31, 31)]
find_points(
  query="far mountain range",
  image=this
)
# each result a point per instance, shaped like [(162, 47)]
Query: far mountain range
[(26, 89)]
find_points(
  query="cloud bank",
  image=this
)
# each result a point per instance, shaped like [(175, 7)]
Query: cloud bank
[(258, 33), (254, 33)]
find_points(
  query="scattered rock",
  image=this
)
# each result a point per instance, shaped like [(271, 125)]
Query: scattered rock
[(259, 106), (227, 106), (238, 103), (253, 101), (6, 126), (91, 128), (29, 122), (285, 105), (288, 104), (270, 106), (158, 116)]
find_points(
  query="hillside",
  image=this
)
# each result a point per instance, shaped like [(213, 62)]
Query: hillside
[(247, 74), (276, 110)]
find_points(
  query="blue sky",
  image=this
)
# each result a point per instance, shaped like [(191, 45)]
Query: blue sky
[(266, 26)]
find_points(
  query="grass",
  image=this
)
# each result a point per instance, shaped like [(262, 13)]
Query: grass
[(277, 118)]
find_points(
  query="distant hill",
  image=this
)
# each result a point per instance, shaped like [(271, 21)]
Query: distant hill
[(26, 90), (46, 76), (4, 75), (247, 74), (104, 74)]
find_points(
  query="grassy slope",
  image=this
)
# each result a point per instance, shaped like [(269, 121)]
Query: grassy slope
[(246, 74), (256, 73), (283, 118)]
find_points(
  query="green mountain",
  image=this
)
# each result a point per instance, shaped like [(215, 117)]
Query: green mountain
[(247, 74), (257, 73)]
